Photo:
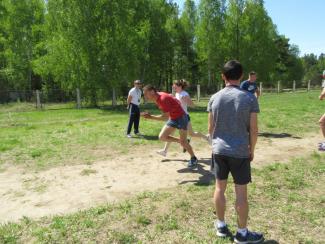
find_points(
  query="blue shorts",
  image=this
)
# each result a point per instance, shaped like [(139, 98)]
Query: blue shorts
[(179, 123), (188, 118)]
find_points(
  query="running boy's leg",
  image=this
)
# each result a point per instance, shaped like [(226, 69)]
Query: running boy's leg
[(183, 141), (165, 134)]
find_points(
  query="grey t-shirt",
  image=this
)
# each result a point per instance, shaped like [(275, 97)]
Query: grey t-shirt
[(231, 108)]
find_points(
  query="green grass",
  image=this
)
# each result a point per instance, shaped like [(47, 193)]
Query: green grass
[(61, 136), (286, 203)]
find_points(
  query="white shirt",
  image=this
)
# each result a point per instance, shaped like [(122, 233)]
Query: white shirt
[(179, 96), (135, 93)]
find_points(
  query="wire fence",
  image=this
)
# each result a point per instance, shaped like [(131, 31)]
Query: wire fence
[(56, 98)]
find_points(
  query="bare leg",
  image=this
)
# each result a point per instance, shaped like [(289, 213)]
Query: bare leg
[(195, 133), (241, 205), (220, 199), (322, 124), (184, 142), (165, 134)]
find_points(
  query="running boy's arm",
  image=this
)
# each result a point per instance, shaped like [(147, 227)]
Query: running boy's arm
[(253, 132), (160, 117)]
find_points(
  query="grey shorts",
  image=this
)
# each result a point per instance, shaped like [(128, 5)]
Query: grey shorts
[(240, 168), (179, 123)]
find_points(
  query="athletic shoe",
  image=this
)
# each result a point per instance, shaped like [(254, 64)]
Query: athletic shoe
[(222, 231), (184, 150), (128, 136), (321, 146), (192, 163), (250, 237), (138, 134), (162, 153)]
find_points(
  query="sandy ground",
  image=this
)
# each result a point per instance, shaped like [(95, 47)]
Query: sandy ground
[(68, 189)]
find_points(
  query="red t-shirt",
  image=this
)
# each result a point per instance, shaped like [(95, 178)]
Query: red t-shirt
[(169, 104)]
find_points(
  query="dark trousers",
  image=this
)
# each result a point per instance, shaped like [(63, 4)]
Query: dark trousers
[(134, 118)]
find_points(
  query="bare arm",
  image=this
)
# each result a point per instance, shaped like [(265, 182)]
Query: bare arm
[(129, 99), (188, 101), (253, 132), (161, 117), (258, 93)]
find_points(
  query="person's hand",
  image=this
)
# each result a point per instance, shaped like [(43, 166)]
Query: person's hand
[(146, 115), (321, 97), (251, 156)]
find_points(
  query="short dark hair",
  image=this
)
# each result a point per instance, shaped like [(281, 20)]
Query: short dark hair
[(232, 70), (149, 88), (252, 73)]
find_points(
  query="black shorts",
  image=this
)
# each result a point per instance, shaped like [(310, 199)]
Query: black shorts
[(240, 168)]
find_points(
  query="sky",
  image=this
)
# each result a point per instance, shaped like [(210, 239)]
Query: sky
[(302, 21)]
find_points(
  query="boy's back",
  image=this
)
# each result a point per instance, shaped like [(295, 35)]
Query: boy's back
[(231, 108)]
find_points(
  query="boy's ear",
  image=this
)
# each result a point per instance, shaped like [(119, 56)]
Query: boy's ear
[(223, 77)]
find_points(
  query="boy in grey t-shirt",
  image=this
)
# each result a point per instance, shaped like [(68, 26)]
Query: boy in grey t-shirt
[(233, 130)]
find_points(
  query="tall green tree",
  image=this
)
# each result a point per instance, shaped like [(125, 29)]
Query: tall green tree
[(211, 46), (24, 31)]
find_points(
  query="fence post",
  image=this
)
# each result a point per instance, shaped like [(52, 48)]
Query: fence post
[(114, 97), (308, 87), (294, 86), (279, 86), (78, 99), (38, 100), (198, 92), (261, 88)]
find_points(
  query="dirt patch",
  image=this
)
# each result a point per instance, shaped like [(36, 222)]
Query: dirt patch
[(68, 189)]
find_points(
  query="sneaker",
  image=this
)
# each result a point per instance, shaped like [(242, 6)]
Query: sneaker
[(162, 153), (184, 150), (192, 163), (222, 231), (321, 146), (250, 237), (128, 136), (138, 134)]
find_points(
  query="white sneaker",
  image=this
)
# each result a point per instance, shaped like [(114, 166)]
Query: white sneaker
[(162, 153), (128, 136)]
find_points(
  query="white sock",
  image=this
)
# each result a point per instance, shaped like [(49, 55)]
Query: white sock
[(243, 231), (220, 223)]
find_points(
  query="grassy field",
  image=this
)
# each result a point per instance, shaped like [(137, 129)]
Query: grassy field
[(287, 203), (62, 136), (287, 200)]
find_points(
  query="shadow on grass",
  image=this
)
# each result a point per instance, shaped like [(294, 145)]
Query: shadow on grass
[(146, 137), (275, 135)]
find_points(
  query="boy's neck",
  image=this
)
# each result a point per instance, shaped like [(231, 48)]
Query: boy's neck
[(232, 82)]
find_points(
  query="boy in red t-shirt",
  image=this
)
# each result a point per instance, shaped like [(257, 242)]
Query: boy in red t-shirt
[(177, 119)]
